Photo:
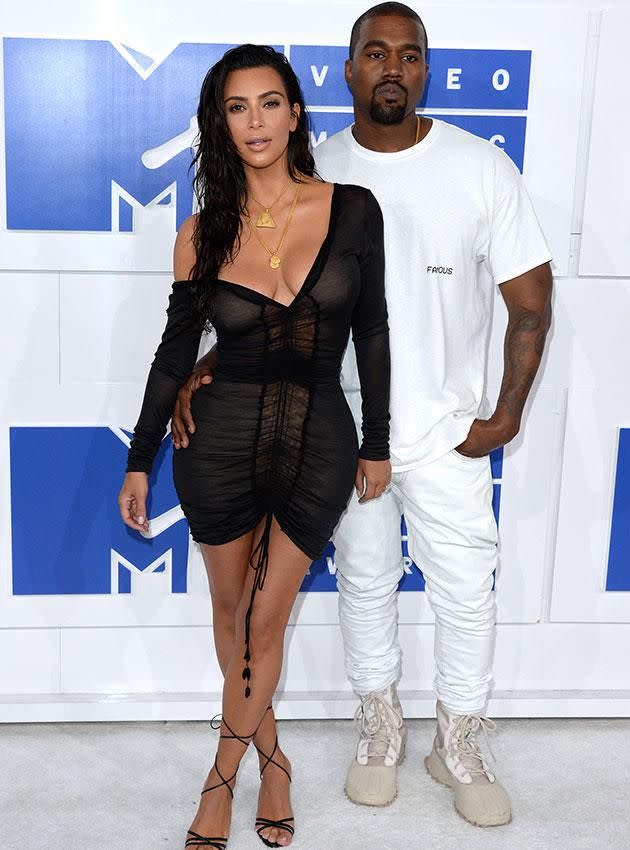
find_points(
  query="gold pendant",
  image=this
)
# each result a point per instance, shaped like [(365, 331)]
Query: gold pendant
[(274, 261), (265, 220)]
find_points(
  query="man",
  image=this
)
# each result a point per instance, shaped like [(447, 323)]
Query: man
[(457, 218)]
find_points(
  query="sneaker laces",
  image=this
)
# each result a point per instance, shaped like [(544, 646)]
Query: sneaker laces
[(377, 722), (466, 746)]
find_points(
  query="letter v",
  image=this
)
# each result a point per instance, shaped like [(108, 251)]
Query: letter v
[(319, 76)]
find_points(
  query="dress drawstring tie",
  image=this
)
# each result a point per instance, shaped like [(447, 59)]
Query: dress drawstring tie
[(259, 562)]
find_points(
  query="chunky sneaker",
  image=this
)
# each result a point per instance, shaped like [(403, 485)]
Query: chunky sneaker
[(371, 779), (456, 761)]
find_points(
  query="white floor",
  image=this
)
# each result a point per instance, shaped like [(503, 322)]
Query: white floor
[(131, 786)]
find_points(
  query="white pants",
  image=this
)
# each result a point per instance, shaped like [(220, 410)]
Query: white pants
[(452, 537)]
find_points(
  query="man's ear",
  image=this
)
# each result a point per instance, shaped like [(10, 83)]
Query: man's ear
[(348, 71)]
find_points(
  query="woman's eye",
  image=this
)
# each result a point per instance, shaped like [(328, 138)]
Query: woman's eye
[(236, 107), (273, 103)]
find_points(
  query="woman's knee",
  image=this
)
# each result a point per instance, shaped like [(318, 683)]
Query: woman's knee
[(266, 630), (225, 608)]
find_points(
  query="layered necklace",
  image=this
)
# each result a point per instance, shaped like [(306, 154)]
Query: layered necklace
[(274, 254), (265, 219)]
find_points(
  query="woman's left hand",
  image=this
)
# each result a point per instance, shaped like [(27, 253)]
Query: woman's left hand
[(373, 477)]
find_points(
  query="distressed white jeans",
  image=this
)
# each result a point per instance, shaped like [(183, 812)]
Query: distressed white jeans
[(452, 537)]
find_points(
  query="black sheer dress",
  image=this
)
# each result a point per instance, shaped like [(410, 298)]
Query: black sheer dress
[(274, 434)]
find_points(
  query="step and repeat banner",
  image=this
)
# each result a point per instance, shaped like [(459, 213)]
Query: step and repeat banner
[(95, 148)]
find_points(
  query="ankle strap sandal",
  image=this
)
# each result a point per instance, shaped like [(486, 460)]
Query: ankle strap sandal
[(265, 823), (218, 843)]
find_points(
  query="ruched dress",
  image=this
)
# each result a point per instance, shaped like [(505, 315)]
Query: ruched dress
[(274, 434)]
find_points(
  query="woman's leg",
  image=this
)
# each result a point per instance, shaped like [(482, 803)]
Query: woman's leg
[(226, 568), (271, 610), (287, 565)]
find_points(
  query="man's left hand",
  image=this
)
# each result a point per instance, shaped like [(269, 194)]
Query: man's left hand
[(485, 435)]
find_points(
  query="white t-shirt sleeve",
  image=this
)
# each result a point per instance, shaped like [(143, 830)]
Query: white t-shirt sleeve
[(320, 162), (516, 241)]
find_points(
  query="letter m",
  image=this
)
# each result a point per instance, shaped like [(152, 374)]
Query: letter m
[(79, 116), (125, 574)]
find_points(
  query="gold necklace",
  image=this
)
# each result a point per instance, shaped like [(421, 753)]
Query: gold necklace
[(417, 130), (274, 256), (265, 218)]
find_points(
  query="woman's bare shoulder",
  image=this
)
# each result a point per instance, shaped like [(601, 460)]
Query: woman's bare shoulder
[(316, 191), (313, 184), (184, 254)]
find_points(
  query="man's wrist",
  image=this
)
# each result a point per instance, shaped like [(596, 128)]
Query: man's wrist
[(505, 422), (208, 361)]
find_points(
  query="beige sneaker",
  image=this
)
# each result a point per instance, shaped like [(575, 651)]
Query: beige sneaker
[(371, 779), (456, 761)]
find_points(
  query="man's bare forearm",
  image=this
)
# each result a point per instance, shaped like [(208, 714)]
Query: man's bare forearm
[(528, 325), (208, 361)]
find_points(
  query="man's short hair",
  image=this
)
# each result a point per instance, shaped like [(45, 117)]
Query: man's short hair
[(383, 10)]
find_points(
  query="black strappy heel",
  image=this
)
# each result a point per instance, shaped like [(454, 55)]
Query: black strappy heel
[(218, 843), (266, 823)]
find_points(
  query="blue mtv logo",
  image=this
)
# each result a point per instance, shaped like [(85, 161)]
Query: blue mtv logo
[(321, 575), (619, 552), (458, 79), (494, 80), (67, 535), (95, 131)]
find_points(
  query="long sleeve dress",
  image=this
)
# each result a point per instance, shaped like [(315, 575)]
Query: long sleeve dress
[(274, 434)]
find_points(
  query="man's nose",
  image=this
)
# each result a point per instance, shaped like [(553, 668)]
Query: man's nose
[(393, 68)]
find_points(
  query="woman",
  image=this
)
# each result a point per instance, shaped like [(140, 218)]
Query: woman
[(282, 265)]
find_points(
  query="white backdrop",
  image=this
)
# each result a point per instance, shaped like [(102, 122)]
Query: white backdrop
[(89, 630)]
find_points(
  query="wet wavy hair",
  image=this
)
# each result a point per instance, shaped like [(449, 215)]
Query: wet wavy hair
[(219, 183)]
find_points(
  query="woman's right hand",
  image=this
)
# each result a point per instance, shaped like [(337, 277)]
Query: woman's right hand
[(132, 501)]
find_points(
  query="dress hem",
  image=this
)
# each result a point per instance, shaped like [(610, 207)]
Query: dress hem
[(232, 537)]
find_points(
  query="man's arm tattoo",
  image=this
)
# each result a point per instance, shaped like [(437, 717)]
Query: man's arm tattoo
[(523, 349)]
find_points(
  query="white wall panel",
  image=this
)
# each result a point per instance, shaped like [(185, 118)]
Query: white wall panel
[(586, 500), (589, 353), (29, 342), (111, 325), (30, 661), (550, 657), (138, 660), (589, 342), (606, 229), (554, 657), (600, 352)]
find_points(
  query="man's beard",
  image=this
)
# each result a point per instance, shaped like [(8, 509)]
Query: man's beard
[(383, 114)]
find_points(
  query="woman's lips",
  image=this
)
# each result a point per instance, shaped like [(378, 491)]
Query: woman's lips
[(258, 144)]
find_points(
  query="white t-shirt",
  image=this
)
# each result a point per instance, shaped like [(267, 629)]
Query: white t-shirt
[(457, 217)]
